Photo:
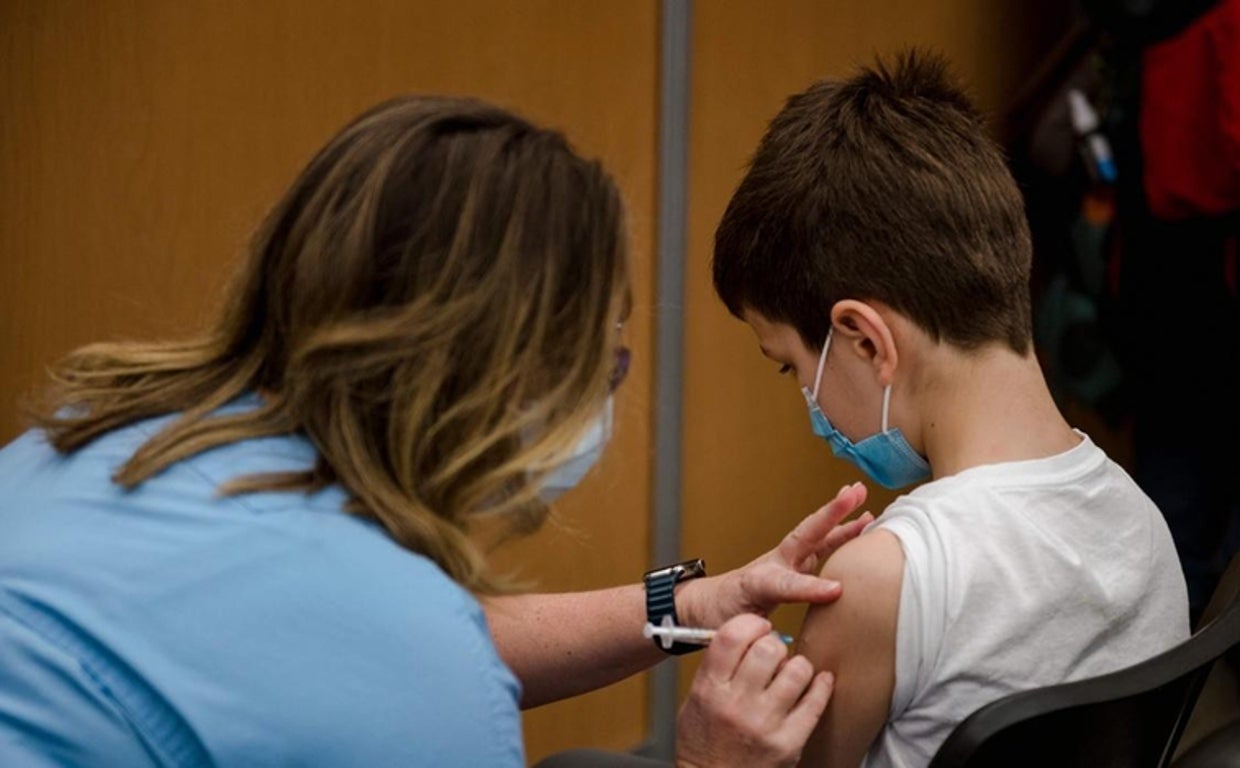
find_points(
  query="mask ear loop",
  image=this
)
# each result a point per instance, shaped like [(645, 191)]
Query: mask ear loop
[(822, 361), (886, 405)]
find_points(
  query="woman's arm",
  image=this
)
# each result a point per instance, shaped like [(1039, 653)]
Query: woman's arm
[(561, 645), (855, 638), (564, 644)]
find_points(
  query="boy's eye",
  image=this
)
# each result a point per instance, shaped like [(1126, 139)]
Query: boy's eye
[(784, 369)]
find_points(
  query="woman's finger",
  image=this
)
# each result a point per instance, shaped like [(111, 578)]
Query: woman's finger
[(804, 717), (790, 683), (731, 644), (760, 664), (845, 532), (808, 537)]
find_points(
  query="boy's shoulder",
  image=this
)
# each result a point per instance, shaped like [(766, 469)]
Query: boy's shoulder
[(855, 637), (871, 568)]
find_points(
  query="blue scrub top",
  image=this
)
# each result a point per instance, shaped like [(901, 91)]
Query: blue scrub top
[(172, 626)]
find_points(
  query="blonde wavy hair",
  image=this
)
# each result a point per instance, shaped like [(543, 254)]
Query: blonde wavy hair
[(433, 303)]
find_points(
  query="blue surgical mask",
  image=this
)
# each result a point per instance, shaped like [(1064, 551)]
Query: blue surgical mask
[(886, 457), (585, 455)]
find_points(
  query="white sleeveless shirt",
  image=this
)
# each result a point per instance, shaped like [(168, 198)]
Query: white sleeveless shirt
[(1021, 575)]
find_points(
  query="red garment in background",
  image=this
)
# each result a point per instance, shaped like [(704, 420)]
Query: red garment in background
[(1190, 117)]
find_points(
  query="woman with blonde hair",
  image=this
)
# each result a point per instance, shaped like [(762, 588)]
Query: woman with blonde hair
[(260, 546)]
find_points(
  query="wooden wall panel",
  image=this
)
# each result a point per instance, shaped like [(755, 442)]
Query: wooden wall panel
[(752, 468), (142, 140)]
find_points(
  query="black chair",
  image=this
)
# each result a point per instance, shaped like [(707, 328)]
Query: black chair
[(1212, 737), (1133, 717), (1226, 593)]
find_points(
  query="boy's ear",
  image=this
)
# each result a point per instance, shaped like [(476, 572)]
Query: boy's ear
[(862, 328)]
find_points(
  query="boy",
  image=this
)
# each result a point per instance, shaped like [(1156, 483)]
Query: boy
[(879, 250)]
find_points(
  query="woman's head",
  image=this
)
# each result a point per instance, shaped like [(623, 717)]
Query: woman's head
[(434, 302)]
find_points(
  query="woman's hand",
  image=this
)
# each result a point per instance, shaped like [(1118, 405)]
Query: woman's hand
[(598, 639), (786, 574), (749, 705)]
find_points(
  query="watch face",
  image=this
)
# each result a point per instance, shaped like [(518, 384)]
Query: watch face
[(687, 569), (692, 568)]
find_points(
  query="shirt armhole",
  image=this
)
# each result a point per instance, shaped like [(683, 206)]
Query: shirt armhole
[(917, 639)]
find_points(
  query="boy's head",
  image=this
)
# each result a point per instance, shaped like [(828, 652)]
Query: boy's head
[(883, 187)]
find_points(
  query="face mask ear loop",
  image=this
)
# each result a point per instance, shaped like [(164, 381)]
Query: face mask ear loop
[(886, 405), (822, 361)]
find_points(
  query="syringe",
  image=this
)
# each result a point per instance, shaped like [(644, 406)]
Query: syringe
[(669, 634)]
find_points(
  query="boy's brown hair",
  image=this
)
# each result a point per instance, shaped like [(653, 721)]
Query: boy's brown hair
[(884, 187)]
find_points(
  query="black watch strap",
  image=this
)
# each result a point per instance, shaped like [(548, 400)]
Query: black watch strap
[(661, 599)]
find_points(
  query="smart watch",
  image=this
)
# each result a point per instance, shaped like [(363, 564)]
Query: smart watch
[(661, 597)]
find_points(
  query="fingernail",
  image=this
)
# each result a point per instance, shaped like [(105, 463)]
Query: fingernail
[(842, 489), (831, 584)]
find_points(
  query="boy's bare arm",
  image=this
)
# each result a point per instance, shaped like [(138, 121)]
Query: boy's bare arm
[(855, 639)]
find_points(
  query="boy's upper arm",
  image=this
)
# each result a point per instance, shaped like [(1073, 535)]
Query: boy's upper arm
[(855, 638)]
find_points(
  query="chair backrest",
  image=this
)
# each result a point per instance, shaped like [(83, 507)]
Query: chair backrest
[(1226, 593), (1218, 706), (1132, 717)]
